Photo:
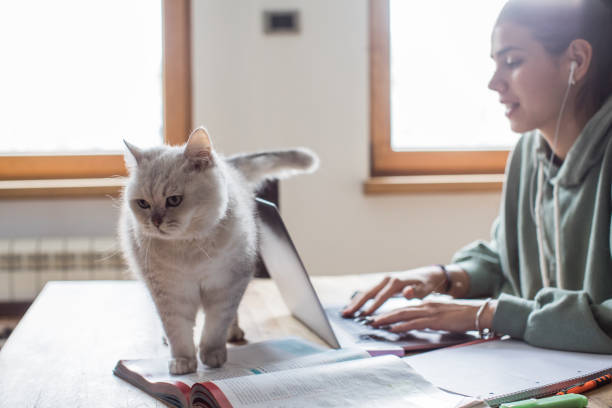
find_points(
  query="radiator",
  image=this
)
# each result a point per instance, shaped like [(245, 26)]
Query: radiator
[(26, 265)]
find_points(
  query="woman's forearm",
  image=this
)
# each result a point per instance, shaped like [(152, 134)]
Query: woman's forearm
[(460, 281)]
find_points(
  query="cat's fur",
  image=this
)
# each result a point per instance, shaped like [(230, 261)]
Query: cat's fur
[(201, 252)]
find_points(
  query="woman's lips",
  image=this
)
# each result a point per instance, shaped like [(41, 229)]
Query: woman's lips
[(511, 107)]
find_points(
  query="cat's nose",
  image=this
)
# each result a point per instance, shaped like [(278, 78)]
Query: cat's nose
[(157, 219)]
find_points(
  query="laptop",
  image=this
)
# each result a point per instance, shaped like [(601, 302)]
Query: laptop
[(285, 267)]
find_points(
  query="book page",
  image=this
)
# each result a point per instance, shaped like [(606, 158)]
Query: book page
[(324, 357), (384, 381), (241, 360), (505, 367)]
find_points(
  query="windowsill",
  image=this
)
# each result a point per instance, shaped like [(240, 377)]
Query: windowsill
[(434, 184), (99, 187), (92, 187)]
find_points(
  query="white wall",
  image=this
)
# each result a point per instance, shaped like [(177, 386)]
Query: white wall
[(255, 92)]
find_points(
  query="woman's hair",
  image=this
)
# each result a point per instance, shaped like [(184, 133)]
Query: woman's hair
[(556, 23)]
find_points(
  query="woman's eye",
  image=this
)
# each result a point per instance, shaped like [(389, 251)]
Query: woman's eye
[(174, 201), (143, 203), (512, 62)]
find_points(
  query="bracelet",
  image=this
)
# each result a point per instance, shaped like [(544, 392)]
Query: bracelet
[(484, 333), (449, 284)]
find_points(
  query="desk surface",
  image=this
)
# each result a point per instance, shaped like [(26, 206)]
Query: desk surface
[(64, 349)]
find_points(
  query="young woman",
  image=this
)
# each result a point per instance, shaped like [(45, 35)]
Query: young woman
[(549, 263)]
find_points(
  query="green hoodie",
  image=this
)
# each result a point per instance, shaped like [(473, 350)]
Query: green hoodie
[(573, 311)]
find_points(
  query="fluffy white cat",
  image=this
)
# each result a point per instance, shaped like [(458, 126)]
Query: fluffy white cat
[(188, 229)]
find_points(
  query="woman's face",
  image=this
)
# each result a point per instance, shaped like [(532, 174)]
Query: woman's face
[(530, 81)]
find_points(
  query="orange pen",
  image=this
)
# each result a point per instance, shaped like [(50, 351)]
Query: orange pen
[(587, 386)]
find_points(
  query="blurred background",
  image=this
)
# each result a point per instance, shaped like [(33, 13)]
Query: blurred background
[(80, 76)]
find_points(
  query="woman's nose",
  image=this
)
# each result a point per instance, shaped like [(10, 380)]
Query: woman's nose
[(497, 84)]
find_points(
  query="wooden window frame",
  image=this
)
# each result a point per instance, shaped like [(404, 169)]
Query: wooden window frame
[(386, 162), (176, 15)]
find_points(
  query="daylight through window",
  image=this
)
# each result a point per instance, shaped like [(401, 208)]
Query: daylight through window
[(440, 68), (80, 76)]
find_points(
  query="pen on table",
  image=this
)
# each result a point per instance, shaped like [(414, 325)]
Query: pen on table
[(557, 401), (587, 386)]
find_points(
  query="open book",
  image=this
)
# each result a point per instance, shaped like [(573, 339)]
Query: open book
[(289, 372)]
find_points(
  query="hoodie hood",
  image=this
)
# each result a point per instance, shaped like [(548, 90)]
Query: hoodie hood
[(586, 151)]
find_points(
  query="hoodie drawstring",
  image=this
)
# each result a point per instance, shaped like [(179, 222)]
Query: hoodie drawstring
[(557, 234), (540, 229)]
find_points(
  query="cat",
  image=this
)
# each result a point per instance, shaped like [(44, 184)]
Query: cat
[(188, 229)]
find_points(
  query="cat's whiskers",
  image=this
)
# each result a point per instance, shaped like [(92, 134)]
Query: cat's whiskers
[(116, 202), (172, 225), (220, 224), (109, 255), (147, 242), (223, 226), (203, 250)]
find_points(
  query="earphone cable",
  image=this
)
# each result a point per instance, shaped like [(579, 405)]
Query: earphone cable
[(558, 126)]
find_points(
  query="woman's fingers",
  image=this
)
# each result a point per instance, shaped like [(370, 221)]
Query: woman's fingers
[(409, 292), (379, 294), (403, 314), (452, 316), (421, 323), (416, 283), (392, 287), (360, 299)]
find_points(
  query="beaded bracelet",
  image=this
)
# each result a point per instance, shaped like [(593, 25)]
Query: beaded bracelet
[(449, 284), (484, 333)]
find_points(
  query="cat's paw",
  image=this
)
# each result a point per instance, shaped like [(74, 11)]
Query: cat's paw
[(235, 334), (214, 357), (182, 365)]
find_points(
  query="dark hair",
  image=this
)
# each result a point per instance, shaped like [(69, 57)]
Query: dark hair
[(556, 23)]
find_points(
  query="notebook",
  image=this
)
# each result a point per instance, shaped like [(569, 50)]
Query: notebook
[(288, 272), (500, 371)]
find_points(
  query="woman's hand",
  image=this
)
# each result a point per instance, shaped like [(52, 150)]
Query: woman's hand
[(416, 283), (454, 315)]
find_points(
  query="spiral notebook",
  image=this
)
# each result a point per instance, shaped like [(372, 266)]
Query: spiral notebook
[(500, 371)]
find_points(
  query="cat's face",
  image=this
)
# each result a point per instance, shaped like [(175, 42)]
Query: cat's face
[(176, 192)]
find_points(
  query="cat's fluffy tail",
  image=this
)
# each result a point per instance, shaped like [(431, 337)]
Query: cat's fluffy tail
[(258, 167)]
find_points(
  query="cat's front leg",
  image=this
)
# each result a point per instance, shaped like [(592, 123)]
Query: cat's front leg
[(179, 331), (213, 351), (220, 310), (177, 313)]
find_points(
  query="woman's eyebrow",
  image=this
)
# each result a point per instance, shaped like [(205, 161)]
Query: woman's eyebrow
[(504, 51)]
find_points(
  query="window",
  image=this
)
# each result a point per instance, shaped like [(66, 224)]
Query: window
[(425, 109), (129, 76)]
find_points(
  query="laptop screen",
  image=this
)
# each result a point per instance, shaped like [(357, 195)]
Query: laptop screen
[(288, 272)]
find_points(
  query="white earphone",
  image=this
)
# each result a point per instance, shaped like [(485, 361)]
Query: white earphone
[(571, 80)]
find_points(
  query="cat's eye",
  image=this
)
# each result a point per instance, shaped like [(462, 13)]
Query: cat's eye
[(143, 203), (174, 201)]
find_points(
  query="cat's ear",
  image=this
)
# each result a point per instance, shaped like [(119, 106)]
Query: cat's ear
[(133, 156), (199, 147)]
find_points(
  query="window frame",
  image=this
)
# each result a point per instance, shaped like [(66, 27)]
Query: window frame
[(386, 162), (176, 60)]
